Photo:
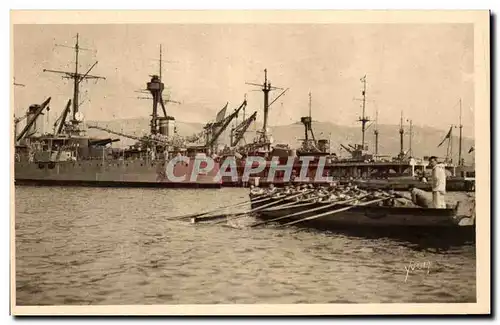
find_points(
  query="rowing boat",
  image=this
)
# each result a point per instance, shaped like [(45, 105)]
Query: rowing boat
[(365, 216)]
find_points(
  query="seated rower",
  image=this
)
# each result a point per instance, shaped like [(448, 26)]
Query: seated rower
[(271, 189), (288, 190), (322, 193), (256, 191), (342, 196), (310, 197), (332, 197)]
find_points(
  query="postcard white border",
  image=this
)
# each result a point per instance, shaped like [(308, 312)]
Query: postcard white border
[(480, 19)]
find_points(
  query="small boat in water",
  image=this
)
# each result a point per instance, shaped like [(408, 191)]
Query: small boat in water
[(327, 215)]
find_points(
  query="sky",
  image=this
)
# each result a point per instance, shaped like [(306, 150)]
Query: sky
[(420, 70)]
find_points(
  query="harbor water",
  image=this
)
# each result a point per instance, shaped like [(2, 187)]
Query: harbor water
[(113, 246)]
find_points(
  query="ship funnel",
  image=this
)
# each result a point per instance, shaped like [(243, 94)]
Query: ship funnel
[(163, 126)]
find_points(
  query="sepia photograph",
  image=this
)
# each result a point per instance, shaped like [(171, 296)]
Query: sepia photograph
[(250, 162)]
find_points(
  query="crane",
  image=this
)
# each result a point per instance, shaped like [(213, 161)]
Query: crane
[(349, 150), (239, 131), (36, 110), (62, 119), (225, 123)]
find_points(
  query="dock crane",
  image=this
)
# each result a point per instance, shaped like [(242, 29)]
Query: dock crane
[(34, 112), (225, 123), (239, 131)]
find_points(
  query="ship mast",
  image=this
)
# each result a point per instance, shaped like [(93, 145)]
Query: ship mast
[(76, 89), (401, 136), (451, 144), (160, 63), (410, 151), (460, 135), (266, 88), (155, 88), (307, 121), (77, 78), (363, 119), (310, 105)]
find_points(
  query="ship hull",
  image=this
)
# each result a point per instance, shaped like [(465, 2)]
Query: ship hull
[(114, 173), (82, 183)]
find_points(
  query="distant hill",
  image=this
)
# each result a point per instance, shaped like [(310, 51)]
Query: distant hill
[(425, 139)]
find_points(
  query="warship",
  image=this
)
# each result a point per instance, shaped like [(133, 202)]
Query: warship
[(365, 169), (67, 156)]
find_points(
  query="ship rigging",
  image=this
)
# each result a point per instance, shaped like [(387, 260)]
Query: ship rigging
[(263, 140), (73, 128)]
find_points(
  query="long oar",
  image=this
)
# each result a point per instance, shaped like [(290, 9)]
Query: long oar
[(289, 197), (193, 215), (257, 197), (336, 211), (306, 211), (289, 205), (227, 215), (237, 215)]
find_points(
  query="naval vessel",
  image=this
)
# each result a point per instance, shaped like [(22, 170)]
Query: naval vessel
[(362, 168), (68, 156)]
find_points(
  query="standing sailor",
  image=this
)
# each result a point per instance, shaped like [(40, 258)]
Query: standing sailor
[(438, 183)]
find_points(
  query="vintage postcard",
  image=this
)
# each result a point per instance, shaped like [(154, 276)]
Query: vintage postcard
[(250, 162)]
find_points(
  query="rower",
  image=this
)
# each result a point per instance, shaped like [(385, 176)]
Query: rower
[(271, 189), (254, 191)]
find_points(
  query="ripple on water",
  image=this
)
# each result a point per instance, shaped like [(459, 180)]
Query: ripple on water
[(115, 246)]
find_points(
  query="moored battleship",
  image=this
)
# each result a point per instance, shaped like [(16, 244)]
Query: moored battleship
[(362, 168), (67, 156)]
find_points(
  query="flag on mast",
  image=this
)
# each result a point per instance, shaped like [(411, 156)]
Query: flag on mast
[(221, 114), (448, 135)]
